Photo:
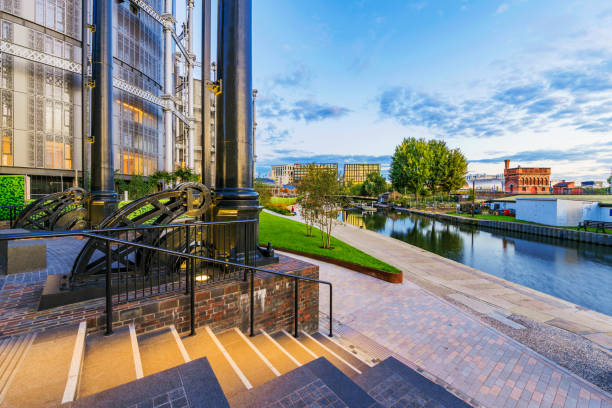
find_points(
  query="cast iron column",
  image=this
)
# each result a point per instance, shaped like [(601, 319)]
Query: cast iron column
[(85, 94), (206, 136), (236, 198), (103, 196)]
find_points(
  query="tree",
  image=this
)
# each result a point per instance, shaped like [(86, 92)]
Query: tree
[(321, 196), (185, 174), (410, 166), (456, 169), (374, 185), (438, 166)]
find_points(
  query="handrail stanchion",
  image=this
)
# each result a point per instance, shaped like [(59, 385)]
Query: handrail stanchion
[(109, 292), (295, 308), (252, 320), (187, 245), (331, 298), (192, 302)]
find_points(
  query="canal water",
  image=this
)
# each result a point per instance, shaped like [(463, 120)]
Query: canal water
[(577, 272)]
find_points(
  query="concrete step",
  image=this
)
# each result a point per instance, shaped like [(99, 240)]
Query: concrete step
[(275, 353), (189, 385), (343, 352), (318, 383), (392, 383), (161, 350), (12, 350), (109, 362), (322, 350), (255, 366), (298, 350), (206, 344), (42, 375)]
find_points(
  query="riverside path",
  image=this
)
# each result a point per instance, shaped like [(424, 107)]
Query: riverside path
[(470, 356)]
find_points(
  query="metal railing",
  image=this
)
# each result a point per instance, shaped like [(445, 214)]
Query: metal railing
[(136, 270)]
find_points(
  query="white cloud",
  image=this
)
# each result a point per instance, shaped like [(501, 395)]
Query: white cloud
[(502, 8)]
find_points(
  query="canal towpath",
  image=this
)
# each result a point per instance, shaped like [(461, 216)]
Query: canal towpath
[(478, 291)]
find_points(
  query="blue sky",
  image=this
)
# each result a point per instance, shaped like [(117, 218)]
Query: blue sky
[(346, 81)]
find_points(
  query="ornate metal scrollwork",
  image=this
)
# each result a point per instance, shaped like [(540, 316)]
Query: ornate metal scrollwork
[(187, 199), (58, 211)]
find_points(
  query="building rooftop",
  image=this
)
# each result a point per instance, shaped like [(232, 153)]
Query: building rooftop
[(605, 200)]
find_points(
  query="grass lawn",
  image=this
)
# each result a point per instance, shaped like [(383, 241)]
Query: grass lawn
[(290, 234), (490, 217)]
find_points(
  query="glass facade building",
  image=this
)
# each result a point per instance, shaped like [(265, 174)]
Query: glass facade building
[(300, 170), (356, 173), (40, 103)]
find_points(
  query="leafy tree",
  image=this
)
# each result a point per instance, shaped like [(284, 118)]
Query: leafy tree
[(438, 166), (410, 166), (456, 169), (374, 185)]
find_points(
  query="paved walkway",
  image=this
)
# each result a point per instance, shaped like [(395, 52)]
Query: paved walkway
[(484, 293), (471, 357)]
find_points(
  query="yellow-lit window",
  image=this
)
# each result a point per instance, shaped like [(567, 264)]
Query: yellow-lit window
[(67, 156), (49, 154), (59, 154), (7, 151)]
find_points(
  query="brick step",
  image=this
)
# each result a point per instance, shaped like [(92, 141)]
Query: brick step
[(192, 384), (109, 362), (46, 372), (392, 383), (318, 383)]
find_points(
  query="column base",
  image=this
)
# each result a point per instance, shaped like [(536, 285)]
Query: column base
[(101, 205)]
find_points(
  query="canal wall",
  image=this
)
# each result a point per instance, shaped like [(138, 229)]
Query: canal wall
[(542, 230)]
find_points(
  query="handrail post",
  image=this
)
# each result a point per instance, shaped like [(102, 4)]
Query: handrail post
[(109, 292), (192, 302), (331, 302), (188, 260), (252, 320), (295, 307)]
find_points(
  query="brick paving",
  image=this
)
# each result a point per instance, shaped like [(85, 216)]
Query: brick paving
[(172, 399), (451, 345), (315, 394)]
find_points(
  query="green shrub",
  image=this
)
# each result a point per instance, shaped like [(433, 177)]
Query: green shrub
[(12, 192), (279, 208)]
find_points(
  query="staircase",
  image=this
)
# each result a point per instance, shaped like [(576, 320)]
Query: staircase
[(67, 367)]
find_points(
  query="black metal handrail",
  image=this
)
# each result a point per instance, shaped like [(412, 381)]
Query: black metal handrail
[(191, 276)]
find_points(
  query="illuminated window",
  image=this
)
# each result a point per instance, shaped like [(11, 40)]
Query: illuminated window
[(7, 148)]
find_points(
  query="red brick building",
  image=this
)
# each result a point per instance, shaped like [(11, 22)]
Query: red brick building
[(526, 180), (567, 187)]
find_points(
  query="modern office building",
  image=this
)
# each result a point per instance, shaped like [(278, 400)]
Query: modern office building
[(486, 182), (283, 174), (300, 170), (356, 173), (40, 92)]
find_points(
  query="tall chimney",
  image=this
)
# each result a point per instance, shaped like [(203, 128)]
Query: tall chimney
[(506, 164)]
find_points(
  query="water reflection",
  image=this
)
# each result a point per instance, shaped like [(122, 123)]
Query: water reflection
[(578, 272)]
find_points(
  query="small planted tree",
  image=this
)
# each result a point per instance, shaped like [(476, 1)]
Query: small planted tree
[(321, 196)]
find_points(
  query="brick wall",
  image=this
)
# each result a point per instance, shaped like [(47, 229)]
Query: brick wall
[(221, 306)]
